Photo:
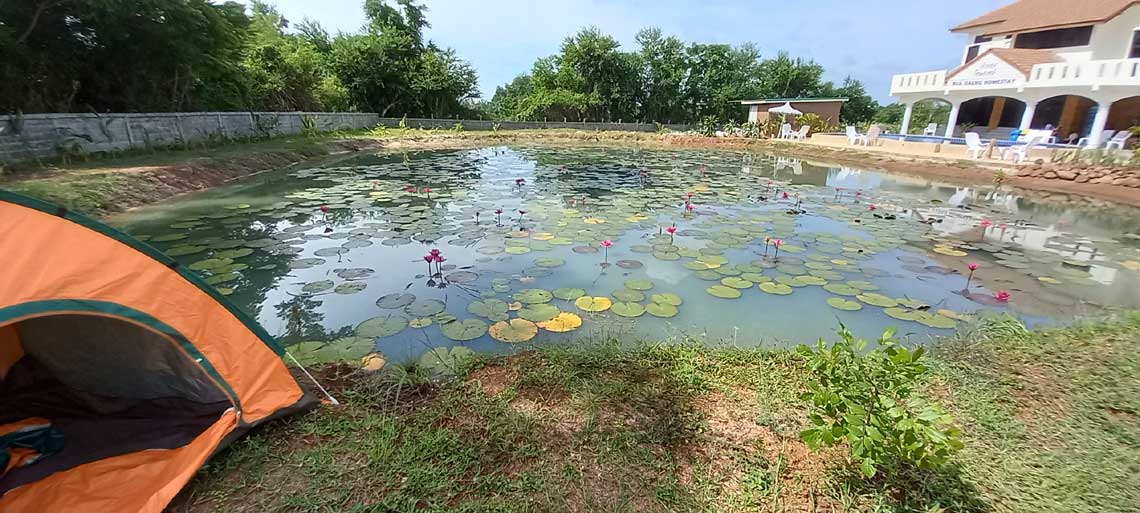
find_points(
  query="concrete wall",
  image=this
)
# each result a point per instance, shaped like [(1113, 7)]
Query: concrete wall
[(473, 124), (1113, 39), (46, 136), (827, 111)]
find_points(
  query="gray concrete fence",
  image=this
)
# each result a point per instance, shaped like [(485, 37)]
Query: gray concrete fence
[(32, 137)]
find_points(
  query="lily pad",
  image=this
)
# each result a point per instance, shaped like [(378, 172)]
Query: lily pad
[(844, 304), (629, 295), (937, 321), (317, 286), (628, 309), (539, 312), (629, 264), (879, 300), (379, 327), (461, 277), (210, 263), (778, 289), (842, 289), (904, 314), (222, 278), (395, 300), (493, 309), (350, 287), (184, 250), (568, 294), (549, 262), (327, 252), (661, 309), (736, 283), (467, 329), (425, 307), (564, 322), (723, 292), (514, 331), (666, 298), (862, 285), (420, 322), (639, 284), (594, 303), (533, 296), (305, 263)]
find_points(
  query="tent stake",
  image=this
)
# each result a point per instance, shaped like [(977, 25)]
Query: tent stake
[(315, 382)]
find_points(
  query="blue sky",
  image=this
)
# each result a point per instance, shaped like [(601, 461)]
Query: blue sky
[(869, 39)]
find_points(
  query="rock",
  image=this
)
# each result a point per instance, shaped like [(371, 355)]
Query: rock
[(1081, 178), (1050, 175), (1065, 174), (1131, 182)]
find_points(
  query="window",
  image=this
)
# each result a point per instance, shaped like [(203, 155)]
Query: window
[(1057, 38), (983, 39), (972, 52), (1134, 50)]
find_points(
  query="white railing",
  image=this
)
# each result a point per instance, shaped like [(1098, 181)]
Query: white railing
[(918, 82), (1086, 73)]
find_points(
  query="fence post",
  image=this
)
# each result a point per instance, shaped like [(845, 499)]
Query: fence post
[(130, 135), (181, 135)]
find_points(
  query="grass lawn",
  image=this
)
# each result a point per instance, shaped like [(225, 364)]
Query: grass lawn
[(1051, 420)]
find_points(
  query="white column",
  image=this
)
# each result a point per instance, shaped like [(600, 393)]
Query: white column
[(906, 118), (1099, 121), (1027, 116), (953, 120)]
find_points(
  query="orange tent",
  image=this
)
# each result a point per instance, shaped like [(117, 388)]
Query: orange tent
[(131, 367)]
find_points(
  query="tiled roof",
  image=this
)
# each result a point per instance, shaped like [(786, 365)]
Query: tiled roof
[(1044, 14), (1021, 58)]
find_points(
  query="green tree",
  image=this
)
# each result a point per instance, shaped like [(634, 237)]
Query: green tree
[(859, 107), (282, 71), (719, 75), (665, 67), (785, 77)]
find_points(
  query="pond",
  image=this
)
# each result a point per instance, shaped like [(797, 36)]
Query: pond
[(553, 245)]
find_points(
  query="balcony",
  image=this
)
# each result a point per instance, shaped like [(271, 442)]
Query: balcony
[(1090, 74)]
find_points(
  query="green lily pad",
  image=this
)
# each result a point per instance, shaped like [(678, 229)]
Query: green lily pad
[(222, 278), (778, 289), (327, 252), (234, 253), (210, 264), (533, 296), (395, 300), (467, 329), (667, 299), (842, 289), (549, 262), (594, 303), (493, 309), (305, 263), (568, 294), (539, 312), (862, 285), (723, 292), (379, 327), (844, 304), (420, 322), (170, 237), (937, 321), (903, 314), (661, 309), (425, 308), (808, 279), (629, 295), (879, 300), (736, 283), (184, 250), (350, 287), (317, 286), (628, 309)]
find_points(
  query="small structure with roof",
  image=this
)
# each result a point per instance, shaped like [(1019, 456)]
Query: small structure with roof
[(826, 108), (1070, 66)]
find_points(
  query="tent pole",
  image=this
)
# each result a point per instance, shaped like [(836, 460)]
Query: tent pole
[(315, 382)]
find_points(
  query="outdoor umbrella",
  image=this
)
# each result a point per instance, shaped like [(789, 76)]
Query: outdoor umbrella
[(785, 109)]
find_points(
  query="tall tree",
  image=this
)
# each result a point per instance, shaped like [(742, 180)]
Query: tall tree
[(665, 67)]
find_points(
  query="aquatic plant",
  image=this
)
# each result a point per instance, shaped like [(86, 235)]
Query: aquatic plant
[(607, 244), (499, 216), (972, 267), (777, 243), (672, 230), (1002, 296)]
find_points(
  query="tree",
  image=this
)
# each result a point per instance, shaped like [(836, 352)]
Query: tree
[(719, 76), (860, 107), (785, 77), (665, 67)]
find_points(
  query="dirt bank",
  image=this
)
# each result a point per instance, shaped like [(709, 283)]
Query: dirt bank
[(116, 185)]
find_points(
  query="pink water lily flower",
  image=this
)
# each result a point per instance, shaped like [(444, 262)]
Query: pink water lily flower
[(690, 206), (671, 230), (435, 252), (607, 243), (973, 266), (986, 223), (1002, 296), (325, 208)]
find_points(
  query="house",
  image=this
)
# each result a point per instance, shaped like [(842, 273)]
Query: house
[(1071, 64), (826, 108)]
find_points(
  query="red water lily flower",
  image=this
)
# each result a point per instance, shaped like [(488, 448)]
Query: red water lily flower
[(499, 212), (427, 190), (872, 206), (325, 208), (435, 252), (607, 243), (690, 206), (671, 230), (1002, 296), (785, 194), (986, 223), (973, 266)]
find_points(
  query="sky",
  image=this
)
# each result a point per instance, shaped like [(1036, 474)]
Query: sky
[(869, 40)]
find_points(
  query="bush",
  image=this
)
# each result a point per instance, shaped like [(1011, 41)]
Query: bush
[(708, 126), (864, 398)]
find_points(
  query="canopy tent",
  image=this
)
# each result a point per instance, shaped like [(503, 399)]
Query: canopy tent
[(120, 372)]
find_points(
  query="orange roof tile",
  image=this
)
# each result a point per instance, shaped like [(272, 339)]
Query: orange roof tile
[(1045, 14)]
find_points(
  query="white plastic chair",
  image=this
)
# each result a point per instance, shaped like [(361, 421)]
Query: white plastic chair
[(785, 130), (800, 134), (1119, 139), (1020, 153), (853, 135), (974, 145), (931, 129), (1104, 136), (872, 136)]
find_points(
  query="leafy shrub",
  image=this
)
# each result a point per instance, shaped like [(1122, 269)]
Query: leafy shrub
[(708, 126), (457, 127), (818, 125), (864, 398)]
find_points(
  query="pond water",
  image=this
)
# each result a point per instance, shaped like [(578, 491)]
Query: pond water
[(332, 259)]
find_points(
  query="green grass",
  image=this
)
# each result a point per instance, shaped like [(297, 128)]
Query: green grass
[(1051, 422)]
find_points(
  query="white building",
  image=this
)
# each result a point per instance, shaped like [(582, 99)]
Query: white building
[(1072, 64)]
